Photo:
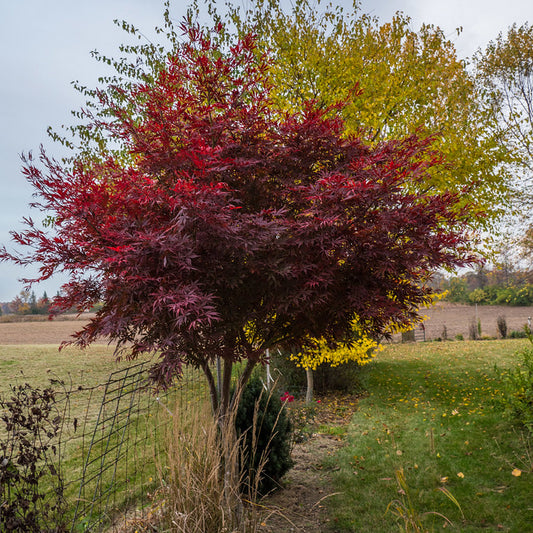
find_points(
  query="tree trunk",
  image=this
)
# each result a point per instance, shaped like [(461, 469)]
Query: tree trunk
[(225, 393), (309, 391), (213, 392)]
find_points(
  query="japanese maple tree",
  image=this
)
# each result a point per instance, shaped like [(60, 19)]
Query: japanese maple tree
[(219, 226)]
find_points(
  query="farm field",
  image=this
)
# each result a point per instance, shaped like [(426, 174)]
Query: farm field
[(39, 330), (457, 319)]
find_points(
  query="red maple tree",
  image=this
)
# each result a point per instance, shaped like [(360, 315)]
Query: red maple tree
[(223, 227)]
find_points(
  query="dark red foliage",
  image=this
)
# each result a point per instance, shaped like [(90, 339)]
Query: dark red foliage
[(226, 228)]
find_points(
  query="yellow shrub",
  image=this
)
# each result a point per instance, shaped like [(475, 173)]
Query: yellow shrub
[(362, 350)]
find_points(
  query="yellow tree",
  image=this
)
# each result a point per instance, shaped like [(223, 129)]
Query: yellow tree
[(505, 73), (395, 82)]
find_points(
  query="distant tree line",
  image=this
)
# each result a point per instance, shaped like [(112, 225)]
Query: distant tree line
[(27, 303), (489, 287)]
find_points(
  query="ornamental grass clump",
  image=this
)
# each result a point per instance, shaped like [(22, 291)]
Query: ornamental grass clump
[(501, 322), (201, 485)]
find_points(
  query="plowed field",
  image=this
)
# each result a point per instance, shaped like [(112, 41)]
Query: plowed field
[(458, 318), (455, 318), (42, 331)]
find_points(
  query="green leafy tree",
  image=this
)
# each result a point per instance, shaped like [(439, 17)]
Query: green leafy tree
[(396, 81), (457, 290)]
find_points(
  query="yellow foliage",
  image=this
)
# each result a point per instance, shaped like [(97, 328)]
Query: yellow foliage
[(438, 296), (394, 82), (362, 351)]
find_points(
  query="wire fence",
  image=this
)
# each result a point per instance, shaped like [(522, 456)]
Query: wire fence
[(110, 452)]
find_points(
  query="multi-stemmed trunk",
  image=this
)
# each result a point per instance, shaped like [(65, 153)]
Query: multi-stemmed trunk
[(224, 404)]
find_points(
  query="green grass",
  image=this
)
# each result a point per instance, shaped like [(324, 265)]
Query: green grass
[(36, 364), (432, 412), (145, 438)]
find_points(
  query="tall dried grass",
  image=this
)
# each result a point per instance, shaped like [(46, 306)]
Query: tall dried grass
[(203, 480)]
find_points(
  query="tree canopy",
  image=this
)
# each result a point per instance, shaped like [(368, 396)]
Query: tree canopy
[(505, 74), (505, 70), (396, 82), (214, 224)]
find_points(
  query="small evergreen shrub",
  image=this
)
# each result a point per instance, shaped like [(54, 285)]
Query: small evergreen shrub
[(265, 429), (517, 334)]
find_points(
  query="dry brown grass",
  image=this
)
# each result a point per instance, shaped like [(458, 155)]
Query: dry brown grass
[(202, 480)]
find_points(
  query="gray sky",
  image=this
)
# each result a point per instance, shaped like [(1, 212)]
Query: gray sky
[(46, 45)]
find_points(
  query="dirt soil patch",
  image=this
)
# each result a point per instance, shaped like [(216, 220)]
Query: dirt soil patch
[(301, 505), (443, 320), (40, 330)]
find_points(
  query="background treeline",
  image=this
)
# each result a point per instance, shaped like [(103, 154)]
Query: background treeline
[(498, 286), (26, 303), (488, 287)]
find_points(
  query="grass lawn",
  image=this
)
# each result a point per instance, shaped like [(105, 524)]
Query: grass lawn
[(37, 364), (431, 413), (135, 441)]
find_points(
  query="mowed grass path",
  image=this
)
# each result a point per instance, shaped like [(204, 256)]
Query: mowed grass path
[(432, 411)]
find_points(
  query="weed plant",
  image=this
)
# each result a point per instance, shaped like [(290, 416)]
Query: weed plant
[(31, 484), (405, 509), (518, 387)]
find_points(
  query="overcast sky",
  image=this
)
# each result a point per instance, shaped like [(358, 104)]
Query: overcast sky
[(46, 45)]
